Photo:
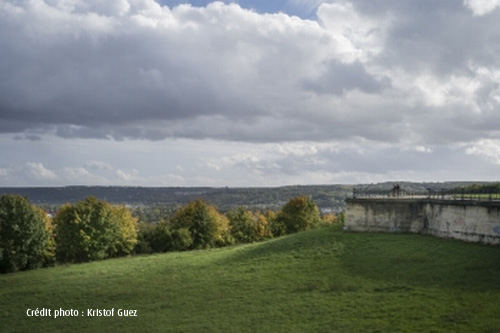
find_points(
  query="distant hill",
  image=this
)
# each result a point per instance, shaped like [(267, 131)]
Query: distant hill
[(327, 197)]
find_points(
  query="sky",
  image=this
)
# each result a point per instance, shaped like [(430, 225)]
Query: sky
[(248, 93)]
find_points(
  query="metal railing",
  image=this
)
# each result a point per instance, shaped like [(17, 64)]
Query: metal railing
[(442, 194), (364, 193)]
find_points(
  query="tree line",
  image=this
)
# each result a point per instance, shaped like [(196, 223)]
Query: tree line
[(93, 229)]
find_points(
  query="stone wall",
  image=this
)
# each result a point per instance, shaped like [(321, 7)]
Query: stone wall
[(473, 221)]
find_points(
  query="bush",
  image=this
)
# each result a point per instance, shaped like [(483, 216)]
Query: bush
[(93, 230), (25, 240)]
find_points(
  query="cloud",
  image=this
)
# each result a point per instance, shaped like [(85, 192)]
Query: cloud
[(98, 165), (38, 171), (339, 78), (422, 73), (486, 148), (30, 137), (81, 176), (305, 6), (122, 175), (482, 7)]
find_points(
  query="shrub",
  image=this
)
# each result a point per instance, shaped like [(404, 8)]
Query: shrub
[(25, 241)]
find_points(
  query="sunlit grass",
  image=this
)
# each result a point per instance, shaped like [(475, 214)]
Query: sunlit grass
[(318, 281)]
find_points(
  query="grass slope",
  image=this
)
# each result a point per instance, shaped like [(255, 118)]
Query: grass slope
[(318, 281)]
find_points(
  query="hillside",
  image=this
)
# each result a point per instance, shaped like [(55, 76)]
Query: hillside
[(327, 197), (318, 281)]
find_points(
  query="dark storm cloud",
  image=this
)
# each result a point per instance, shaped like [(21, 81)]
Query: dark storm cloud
[(389, 71)]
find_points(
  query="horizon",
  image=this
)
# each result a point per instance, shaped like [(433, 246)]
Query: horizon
[(265, 187)]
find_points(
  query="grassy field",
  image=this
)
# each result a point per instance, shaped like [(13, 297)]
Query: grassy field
[(318, 281)]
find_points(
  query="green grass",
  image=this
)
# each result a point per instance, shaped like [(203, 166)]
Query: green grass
[(318, 281)]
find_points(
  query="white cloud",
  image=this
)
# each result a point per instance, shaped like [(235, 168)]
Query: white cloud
[(76, 173), (482, 7), (360, 37), (417, 148), (123, 176), (297, 149), (487, 148), (38, 171), (81, 176), (452, 90)]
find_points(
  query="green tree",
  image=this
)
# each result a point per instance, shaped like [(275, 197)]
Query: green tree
[(298, 214), (93, 229), (25, 241), (208, 228), (161, 237)]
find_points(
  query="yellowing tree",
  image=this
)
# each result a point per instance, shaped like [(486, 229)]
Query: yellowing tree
[(247, 227), (262, 226), (127, 230)]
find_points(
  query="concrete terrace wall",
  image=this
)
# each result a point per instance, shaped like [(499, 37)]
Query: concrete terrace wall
[(472, 221)]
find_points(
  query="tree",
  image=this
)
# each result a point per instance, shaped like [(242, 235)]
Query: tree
[(208, 228), (262, 225), (145, 232), (298, 214), (24, 235), (93, 229), (247, 227), (161, 237), (127, 230), (241, 222)]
